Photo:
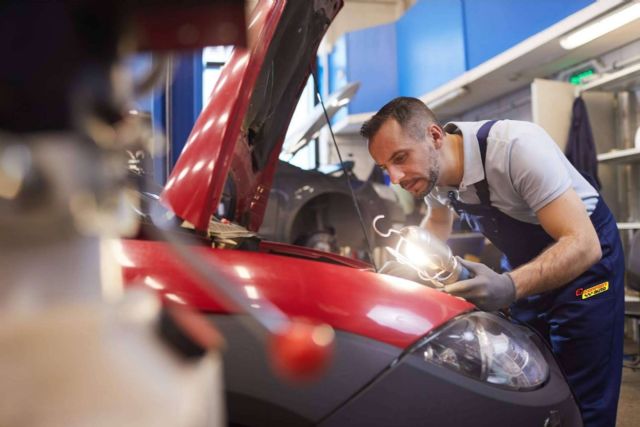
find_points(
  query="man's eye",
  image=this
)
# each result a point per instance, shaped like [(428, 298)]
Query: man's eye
[(399, 159)]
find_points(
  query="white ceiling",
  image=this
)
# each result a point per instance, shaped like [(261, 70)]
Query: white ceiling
[(359, 14), (540, 55)]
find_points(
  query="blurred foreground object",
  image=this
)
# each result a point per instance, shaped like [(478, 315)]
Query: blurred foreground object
[(302, 351), (102, 365), (58, 56), (77, 349)]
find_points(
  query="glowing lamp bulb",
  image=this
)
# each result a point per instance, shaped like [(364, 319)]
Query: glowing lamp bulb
[(428, 256)]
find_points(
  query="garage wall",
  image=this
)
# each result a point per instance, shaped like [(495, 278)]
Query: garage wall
[(493, 26), (514, 106), (337, 78), (184, 100), (371, 55), (360, 14), (438, 40), (431, 48)]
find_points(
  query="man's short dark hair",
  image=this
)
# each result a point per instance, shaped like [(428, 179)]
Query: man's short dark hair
[(410, 113)]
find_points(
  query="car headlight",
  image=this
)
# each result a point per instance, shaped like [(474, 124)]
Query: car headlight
[(488, 348)]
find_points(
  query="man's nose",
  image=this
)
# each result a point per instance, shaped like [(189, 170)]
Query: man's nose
[(395, 174)]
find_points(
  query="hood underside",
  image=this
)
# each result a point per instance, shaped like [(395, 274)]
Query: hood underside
[(235, 143)]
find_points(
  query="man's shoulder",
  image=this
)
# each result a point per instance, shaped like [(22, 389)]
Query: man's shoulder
[(516, 130), (459, 127)]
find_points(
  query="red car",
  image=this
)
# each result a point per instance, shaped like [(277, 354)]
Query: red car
[(405, 354)]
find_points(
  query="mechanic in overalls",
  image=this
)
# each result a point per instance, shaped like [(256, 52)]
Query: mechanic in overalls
[(510, 181)]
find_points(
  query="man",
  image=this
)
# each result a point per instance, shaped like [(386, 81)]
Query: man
[(510, 181)]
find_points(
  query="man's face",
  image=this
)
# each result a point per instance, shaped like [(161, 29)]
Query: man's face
[(409, 162)]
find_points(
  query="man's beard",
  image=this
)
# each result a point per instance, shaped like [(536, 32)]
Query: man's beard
[(434, 172)]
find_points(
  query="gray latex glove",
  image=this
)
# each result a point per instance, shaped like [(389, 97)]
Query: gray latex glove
[(488, 290), (395, 268)]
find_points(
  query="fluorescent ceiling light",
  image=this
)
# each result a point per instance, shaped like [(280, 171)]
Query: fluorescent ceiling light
[(602, 26)]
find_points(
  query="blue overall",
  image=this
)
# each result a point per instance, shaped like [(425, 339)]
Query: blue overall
[(585, 334)]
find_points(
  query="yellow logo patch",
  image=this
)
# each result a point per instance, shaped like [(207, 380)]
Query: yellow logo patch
[(592, 291)]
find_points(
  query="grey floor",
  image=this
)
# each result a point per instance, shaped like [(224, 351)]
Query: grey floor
[(629, 404)]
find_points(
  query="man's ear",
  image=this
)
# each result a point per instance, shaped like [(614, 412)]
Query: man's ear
[(437, 135)]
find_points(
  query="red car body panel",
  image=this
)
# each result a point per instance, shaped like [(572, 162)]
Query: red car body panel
[(376, 377), (218, 145), (385, 308), (254, 87)]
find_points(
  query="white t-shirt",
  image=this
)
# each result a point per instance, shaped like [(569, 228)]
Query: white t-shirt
[(526, 170)]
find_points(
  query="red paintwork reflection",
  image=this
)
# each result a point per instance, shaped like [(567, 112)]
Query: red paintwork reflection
[(388, 309), (194, 186), (218, 144)]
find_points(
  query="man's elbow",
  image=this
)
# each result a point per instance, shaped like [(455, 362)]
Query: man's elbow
[(597, 253), (593, 251)]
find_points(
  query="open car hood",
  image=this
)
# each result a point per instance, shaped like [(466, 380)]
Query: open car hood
[(235, 143)]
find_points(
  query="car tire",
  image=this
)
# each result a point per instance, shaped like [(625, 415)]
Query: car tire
[(322, 240)]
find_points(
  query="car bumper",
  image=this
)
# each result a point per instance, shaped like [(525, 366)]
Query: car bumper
[(417, 393)]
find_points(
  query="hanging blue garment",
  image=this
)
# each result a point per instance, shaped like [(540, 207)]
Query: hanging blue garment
[(581, 148)]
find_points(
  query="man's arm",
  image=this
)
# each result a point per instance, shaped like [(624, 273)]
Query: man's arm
[(576, 247), (438, 221)]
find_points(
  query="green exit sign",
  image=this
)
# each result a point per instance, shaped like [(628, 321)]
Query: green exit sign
[(579, 77)]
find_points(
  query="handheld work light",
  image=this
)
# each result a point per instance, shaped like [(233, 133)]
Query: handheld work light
[(428, 256)]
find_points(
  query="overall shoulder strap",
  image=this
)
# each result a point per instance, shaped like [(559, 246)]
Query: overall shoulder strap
[(482, 187)]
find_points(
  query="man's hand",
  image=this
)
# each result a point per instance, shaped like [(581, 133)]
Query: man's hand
[(487, 289)]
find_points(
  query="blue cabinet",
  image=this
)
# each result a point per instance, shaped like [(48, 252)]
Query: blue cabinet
[(431, 48), (493, 26), (368, 56), (434, 42)]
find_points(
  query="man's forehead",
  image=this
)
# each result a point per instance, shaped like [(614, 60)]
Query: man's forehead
[(389, 133), (390, 137)]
